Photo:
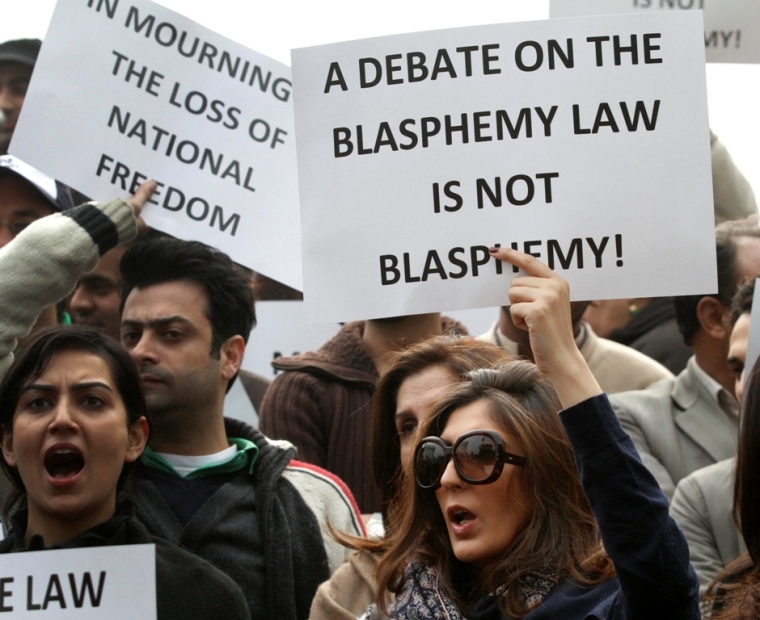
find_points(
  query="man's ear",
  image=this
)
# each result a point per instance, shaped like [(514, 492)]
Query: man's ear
[(6, 438), (138, 437), (712, 315), (231, 356)]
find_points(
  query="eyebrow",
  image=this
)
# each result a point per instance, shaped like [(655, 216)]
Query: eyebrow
[(25, 213), (77, 387), (156, 322)]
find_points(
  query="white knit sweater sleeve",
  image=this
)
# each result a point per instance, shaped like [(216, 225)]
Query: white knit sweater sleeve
[(42, 265)]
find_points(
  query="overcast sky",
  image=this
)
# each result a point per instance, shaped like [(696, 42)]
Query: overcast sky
[(273, 28)]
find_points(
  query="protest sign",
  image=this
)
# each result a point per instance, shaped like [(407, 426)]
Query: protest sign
[(97, 583), (127, 90), (582, 141), (753, 340), (732, 27)]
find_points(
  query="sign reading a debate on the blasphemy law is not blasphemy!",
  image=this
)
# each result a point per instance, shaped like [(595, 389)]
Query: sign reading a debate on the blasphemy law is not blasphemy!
[(127, 90), (582, 141), (732, 27), (97, 583)]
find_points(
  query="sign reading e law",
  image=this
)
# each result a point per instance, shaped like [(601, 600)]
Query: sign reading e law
[(127, 90), (732, 27), (584, 142), (98, 583)]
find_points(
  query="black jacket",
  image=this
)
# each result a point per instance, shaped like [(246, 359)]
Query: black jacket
[(187, 587)]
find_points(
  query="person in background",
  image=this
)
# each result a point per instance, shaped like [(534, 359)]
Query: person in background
[(73, 421), (702, 504), (413, 381), (17, 60), (645, 324), (512, 501), (210, 484), (683, 424), (322, 402), (616, 367)]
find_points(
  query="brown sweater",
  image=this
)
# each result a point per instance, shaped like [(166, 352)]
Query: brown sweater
[(322, 404)]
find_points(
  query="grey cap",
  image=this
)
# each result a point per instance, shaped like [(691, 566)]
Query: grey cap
[(55, 192), (22, 51)]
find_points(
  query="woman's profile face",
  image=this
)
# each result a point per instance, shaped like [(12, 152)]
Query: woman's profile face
[(415, 396), (482, 520), (70, 440)]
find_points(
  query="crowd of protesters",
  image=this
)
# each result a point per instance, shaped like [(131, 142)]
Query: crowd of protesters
[(405, 469)]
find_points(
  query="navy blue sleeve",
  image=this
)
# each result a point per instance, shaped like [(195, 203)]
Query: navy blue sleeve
[(649, 551)]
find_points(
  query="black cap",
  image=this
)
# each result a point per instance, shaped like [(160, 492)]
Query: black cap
[(54, 192), (22, 51)]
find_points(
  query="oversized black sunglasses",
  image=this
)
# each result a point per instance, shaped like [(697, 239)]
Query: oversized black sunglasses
[(479, 458)]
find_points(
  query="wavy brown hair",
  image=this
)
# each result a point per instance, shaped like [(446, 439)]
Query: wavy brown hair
[(561, 536)]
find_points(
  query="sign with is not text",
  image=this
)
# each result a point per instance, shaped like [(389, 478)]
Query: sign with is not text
[(584, 142), (127, 90), (97, 583), (732, 27)]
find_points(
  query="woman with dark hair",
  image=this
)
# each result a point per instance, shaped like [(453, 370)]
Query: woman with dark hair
[(508, 510), (735, 593), (72, 420), (415, 378)]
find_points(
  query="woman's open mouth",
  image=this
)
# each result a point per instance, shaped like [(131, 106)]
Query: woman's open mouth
[(63, 464), (461, 519)]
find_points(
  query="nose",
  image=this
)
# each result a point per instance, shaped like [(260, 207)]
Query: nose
[(143, 352), (5, 98), (63, 418), (5, 236), (81, 301), (450, 478)]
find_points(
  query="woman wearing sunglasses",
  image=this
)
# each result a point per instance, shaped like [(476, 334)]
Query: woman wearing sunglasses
[(415, 378), (512, 501)]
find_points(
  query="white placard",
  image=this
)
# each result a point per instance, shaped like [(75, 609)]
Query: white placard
[(128, 90), (603, 171), (753, 338), (99, 583), (732, 27)]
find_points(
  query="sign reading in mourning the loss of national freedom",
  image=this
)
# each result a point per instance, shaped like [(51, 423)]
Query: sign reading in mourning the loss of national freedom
[(732, 27), (97, 583), (127, 90), (584, 142)]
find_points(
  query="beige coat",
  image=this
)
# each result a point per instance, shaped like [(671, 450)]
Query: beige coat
[(702, 507), (677, 427), (617, 368), (350, 590)]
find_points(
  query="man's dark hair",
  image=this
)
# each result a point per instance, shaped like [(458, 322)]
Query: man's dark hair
[(742, 301), (728, 275), (230, 299)]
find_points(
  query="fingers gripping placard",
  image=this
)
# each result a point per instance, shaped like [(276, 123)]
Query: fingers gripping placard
[(418, 152)]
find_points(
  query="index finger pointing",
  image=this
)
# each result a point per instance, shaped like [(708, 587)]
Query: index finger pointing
[(528, 263), (141, 196)]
